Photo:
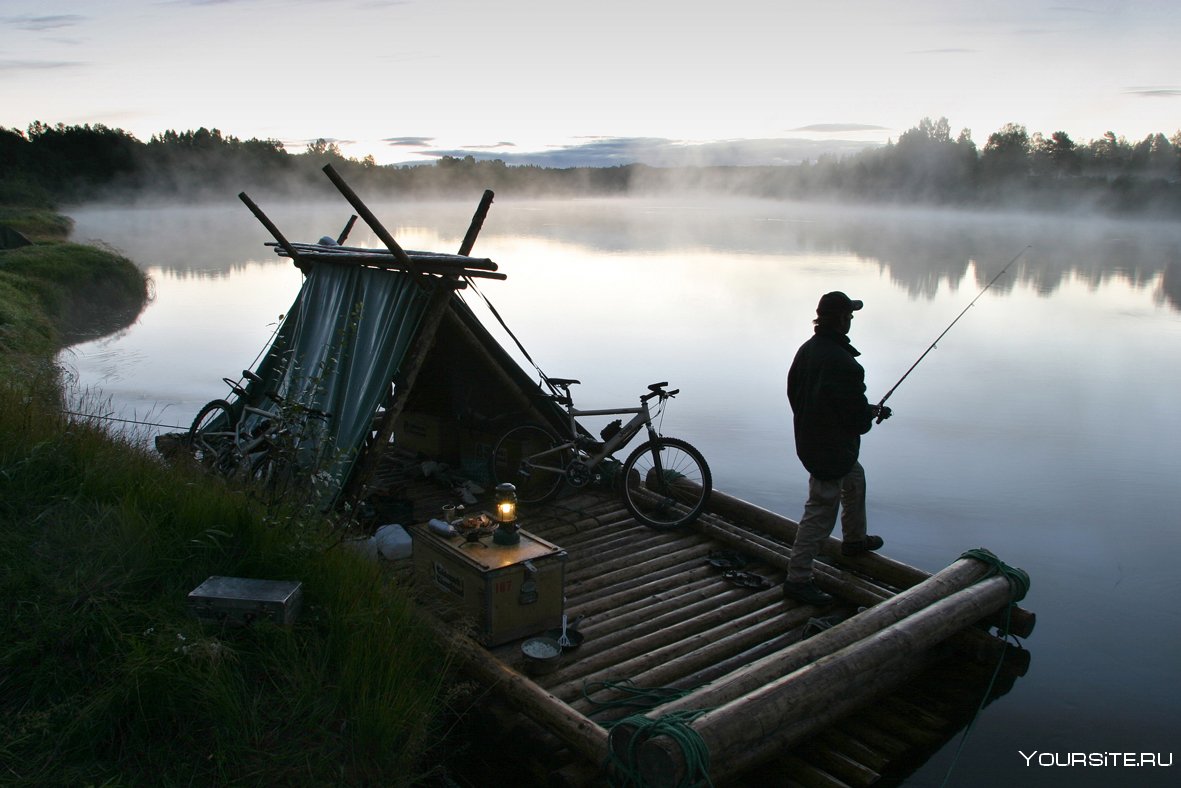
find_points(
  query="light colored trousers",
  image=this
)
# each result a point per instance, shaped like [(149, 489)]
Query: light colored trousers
[(820, 517)]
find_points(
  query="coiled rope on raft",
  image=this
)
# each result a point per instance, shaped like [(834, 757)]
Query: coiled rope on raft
[(674, 725)]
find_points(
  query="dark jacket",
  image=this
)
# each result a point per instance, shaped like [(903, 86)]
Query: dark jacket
[(826, 388)]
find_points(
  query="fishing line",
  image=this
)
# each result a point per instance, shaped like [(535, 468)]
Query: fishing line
[(125, 421), (949, 325)]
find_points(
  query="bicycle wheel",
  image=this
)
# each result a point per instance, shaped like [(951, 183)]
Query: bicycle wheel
[(529, 458), (270, 476), (666, 483), (213, 448)]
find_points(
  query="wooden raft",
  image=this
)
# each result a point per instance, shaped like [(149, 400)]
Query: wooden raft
[(822, 697)]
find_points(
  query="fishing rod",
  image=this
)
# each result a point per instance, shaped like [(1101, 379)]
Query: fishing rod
[(949, 325)]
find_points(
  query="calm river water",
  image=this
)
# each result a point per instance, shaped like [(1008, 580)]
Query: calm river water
[(1045, 426)]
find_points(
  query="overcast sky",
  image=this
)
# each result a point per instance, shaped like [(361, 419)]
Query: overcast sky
[(602, 82)]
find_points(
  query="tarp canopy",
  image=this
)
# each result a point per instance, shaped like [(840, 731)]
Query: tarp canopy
[(337, 351)]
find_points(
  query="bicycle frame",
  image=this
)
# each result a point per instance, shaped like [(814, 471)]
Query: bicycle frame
[(642, 417), (248, 445), (241, 433), (665, 482)]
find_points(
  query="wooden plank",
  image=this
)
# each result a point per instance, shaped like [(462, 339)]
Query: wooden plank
[(418, 267), (681, 672), (275, 232), (583, 735), (625, 558), (643, 587), (643, 653), (473, 230), (843, 767), (370, 219), (808, 775), (960, 575), (627, 576), (788, 707)]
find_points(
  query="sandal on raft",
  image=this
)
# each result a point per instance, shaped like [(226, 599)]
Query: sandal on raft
[(746, 579)]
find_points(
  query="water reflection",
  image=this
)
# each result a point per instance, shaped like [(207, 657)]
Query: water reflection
[(919, 250)]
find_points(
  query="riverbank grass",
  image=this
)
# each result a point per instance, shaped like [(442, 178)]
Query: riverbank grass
[(36, 224), (57, 293)]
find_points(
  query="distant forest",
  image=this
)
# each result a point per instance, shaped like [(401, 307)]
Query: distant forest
[(926, 165)]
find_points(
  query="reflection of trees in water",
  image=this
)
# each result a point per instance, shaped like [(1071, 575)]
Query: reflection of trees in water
[(920, 250), (217, 239), (919, 254)]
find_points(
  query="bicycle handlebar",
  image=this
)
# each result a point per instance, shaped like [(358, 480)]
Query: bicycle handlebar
[(657, 390), (654, 389)]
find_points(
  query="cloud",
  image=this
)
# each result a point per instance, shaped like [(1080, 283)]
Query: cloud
[(39, 23), (1154, 92), (211, 2), (840, 127), (408, 142), (501, 144), (944, 51), (661, 152), (37, 65)]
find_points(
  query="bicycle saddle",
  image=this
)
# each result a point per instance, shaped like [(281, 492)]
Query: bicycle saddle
[(563, 381)]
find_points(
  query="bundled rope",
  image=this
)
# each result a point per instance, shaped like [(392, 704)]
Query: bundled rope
[(1018, 578), (675, 726)]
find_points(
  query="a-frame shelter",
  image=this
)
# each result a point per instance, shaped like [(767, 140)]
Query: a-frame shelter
[(381, 340)]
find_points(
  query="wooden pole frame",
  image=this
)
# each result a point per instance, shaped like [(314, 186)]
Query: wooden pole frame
[(273, 229)]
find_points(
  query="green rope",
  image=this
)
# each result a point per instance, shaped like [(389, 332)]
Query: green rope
[(675, 726), (633, 697), (1018, 578)]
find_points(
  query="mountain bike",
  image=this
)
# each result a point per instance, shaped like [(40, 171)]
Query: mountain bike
[(666, 481), (257, 445)]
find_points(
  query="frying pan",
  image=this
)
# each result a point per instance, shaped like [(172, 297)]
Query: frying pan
[(572, 633)]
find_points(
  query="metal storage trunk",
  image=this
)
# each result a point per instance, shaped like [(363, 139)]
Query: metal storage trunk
[(242, 600), (509, 591)]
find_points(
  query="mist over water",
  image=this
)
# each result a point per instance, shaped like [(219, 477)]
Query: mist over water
[(1044, 426)]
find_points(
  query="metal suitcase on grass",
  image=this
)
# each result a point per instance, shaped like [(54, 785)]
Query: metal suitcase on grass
[(243, 600)]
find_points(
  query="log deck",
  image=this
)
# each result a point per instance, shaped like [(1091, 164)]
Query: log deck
[(771, 686)]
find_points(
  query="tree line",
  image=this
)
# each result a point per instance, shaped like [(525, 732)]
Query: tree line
[(926, 165)]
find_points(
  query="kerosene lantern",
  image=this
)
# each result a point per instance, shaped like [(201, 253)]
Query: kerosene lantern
[(506, 515)]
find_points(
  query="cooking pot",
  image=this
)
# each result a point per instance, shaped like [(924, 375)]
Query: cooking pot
[(541, 654)]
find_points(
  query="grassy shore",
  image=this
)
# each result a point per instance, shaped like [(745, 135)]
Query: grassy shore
[(104, 678)]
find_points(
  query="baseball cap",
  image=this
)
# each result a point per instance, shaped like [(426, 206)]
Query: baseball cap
[(837, 303)]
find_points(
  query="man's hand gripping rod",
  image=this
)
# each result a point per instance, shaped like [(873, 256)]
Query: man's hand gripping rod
[(949, 325)]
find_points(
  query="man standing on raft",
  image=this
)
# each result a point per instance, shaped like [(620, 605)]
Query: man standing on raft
[(826, 389)]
